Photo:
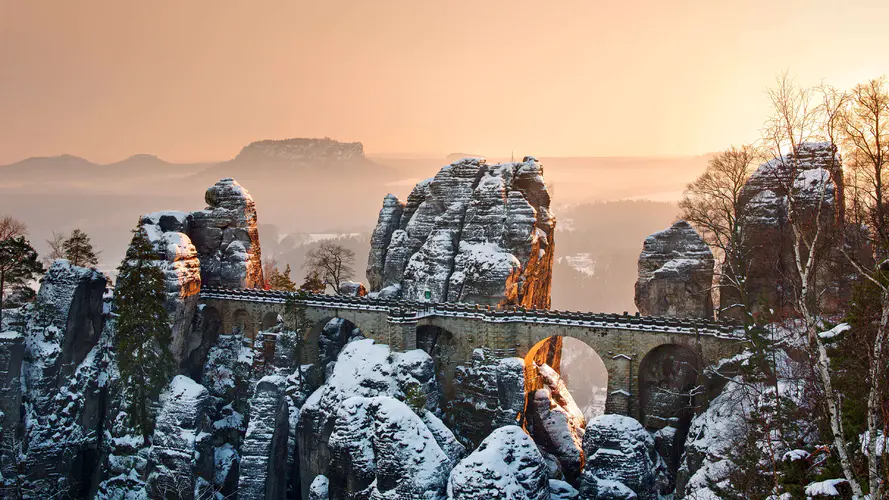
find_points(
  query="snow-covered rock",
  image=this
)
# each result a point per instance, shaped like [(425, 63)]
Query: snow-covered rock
[(620, 456), (556, 423), (227, 237), (182, 448), (380, 448), (177, 258), (320, 488), (490, 393), (62, 379), (368, 370), (473, 233), (507, 464), (12, 350), (263, 466), (675, 274)]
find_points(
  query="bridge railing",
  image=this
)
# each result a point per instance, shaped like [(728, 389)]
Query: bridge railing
[(408, 308)]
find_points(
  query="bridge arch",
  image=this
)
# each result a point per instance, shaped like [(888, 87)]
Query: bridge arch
[(442, 346), (242, 321), (580, 366), (270, 319), (669, 375), (211, 322)]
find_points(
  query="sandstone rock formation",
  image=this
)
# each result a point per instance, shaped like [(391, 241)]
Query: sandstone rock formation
[(507, 464), (363, 369), (675, 274), (490, 393), (263, 468), (62, 381), (817, 181), (473, 233), (181, 456), (300, 149), (178, 259), (556, 423), (380, 448), (620, 460), (227, 237), (12, 350)]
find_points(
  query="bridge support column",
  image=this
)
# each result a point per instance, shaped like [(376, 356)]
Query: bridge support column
[(402, 334), (619, 399)]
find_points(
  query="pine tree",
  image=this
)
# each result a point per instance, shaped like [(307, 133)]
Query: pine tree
[(282, 281), (19, 264), (143, 332), (79, 250), (313, 284)]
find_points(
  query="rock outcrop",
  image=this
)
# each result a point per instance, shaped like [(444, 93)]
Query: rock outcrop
[(380, 448), (181, 458), (814, 177), (263, 469), (473, 233), (556, 423), (368, 370), (12, 350), (63, 396), (675, 274), (490, 393), (227, 237), (620, 460), (507, 464), (178, 259)]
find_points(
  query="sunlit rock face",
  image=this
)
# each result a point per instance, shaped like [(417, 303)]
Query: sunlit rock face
[(473, 233), (675, 274), (507, 464), (621, 460), (177, 257), (556, 423), (227, 237), (815, 178), (62, 382)]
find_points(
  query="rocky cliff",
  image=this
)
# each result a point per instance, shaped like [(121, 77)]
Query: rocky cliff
[(473, 233), (300, 150), (675, 274)]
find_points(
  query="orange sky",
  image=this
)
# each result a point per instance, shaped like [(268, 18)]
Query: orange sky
[(196, 80)]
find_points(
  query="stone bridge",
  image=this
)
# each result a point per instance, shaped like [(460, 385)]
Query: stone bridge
[(635, 349)]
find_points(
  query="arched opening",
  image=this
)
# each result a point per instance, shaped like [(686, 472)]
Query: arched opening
[(242, 324), (211, 322), (323, 343), (439, 344), (567, 384), (668, 388), (270, 320)]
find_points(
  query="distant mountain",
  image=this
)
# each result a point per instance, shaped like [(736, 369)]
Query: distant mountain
[(459, 156)]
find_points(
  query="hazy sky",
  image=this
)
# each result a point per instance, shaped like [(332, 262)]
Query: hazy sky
[(196, 80)]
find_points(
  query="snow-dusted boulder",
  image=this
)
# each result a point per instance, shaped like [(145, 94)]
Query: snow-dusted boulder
[(490, 393), (364, 369), (380, 448), (177, 257), (560, 490), (227, 237), (507, 464), (675, 274), (263, 467), (556, 423), (352, 289), (62, 378), (334, 336), (620, 457), (320, 488), (182, 448), (474, 232)]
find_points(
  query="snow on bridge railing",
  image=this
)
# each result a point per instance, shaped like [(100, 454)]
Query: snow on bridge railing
[(412, 309)]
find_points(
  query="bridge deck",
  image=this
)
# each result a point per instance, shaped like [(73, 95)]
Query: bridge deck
[(409, 310)]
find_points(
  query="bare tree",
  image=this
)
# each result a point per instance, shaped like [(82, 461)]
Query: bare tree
[(713, 205), (332, 262), (11, 228), (865, 124), (56, 249), (798, 117), (269, 266)]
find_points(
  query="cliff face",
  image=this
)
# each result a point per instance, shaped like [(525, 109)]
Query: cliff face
[(473, 233), (301, 149), (675, 274)]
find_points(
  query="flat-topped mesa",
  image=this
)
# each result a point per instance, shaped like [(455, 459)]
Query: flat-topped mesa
[(473, 233), (675, 274), (227, 237), (301, 149)]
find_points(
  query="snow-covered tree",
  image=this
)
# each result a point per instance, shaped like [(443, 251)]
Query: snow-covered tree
[(19, 265), (79, 250)]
